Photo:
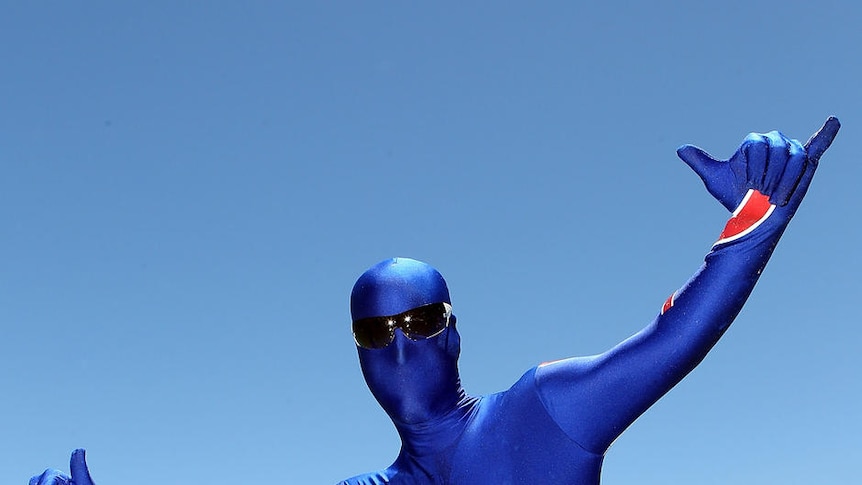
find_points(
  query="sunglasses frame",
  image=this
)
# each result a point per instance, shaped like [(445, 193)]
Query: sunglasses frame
[(402, 321)]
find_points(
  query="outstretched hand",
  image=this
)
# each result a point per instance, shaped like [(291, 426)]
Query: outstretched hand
[(770, 163), (78, 468)]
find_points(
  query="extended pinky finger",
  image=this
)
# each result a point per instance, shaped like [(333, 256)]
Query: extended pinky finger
[(820, 141)]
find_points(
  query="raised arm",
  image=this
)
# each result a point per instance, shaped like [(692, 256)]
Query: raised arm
[(595, 398)]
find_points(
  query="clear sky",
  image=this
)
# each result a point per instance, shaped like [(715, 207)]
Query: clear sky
[(190, 189)]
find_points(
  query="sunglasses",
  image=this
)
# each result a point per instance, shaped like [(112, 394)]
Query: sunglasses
[(419, 323)]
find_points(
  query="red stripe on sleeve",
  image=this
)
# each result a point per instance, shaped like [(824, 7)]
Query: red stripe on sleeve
[(754, 209)]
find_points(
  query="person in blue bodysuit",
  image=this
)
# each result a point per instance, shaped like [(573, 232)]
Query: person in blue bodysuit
[(555, 423)]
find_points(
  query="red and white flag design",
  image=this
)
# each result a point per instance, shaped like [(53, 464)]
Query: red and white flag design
[(754, 209)]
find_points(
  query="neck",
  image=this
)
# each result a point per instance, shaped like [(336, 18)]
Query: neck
[(433, 435)]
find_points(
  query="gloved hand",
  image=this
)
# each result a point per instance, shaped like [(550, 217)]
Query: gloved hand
[(770, 163), (78, 467)]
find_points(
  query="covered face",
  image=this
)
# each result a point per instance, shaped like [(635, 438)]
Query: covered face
[(413, 378)]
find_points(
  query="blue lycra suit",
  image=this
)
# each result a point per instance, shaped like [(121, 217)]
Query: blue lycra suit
[(555, 423)]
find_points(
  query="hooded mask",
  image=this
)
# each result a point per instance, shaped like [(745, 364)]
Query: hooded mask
[(415, 381)]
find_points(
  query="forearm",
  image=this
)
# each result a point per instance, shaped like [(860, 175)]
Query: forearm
[(711, 299), (695, 317)]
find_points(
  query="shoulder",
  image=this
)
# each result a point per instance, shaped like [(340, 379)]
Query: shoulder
[(565, 372), (375, 478)]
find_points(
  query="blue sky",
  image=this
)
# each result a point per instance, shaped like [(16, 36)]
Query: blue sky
[(189, 191)]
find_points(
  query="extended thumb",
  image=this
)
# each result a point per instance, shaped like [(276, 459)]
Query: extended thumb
[(78, 467), (697, 159)]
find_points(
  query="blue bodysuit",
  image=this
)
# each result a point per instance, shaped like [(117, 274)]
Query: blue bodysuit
[(555, 423), (553, 426)]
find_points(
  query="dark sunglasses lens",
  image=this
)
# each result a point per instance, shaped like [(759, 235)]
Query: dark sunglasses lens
[(426, 321), (372, 333)]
